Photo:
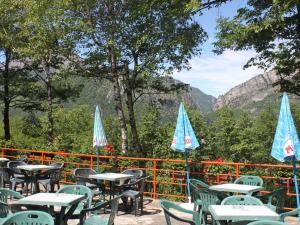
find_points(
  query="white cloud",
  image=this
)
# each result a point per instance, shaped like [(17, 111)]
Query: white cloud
[(215, 75)]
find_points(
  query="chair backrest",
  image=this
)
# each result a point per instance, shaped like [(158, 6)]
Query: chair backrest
[(5, 194), (175, 212), (267, 222), (81, 175), (199, 183), (79, 190), (54, 176), (194, 184), (137, 173), (140, 184), (4, 210), (13, 166), (5, 174), (29, 218), (208, 197), (241, 200), (83, 172), (250, 180), (58, 165)]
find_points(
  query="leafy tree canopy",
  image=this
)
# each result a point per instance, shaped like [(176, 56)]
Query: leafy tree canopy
[(272, 29)]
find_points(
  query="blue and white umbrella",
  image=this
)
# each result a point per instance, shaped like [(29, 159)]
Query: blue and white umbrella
[(99, 138), (184, 139), (286, 146)]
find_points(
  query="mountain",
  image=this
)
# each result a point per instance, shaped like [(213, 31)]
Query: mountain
[(252, 94), (248, 93), (100, 92)]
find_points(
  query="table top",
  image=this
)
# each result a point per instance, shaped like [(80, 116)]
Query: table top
[(242, 212), (239, 188), (111, 176), (53, 199), (4, 159), (35, 167)]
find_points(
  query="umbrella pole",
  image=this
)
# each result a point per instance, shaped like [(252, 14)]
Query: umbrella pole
[(296, 183), (97, 159), (187, 175)]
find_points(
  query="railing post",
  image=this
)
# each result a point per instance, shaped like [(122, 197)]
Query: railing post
[(237, 170), (91, 164), (154, 179), (43, 157), (2, 151)]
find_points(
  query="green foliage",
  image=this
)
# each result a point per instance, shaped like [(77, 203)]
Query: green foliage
[(72, 128), (221, 135), (222, 169), (264, 131)]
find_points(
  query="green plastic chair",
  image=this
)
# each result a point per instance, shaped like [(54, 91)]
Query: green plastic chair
[(241, 200), (195, 183), (208, 197), (29, 218), (7, 193), (134, 192), (267, 222), (95, 218), (275, 200), (79, 190), (250, 180), (171, 210)]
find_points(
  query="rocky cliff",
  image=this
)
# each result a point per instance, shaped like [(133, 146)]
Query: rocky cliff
[(254, 90)]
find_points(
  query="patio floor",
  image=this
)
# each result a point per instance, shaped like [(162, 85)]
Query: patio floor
[(153, 215)]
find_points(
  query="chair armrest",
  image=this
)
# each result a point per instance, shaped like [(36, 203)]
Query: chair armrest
[(98, 206), (290, 213), (16, 195), (82, 179), (265, 198), (134, 183)]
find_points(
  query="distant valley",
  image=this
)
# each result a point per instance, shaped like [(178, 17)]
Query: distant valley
[(250, 96)]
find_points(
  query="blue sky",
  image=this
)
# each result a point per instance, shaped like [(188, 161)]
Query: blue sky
[(217, 74)]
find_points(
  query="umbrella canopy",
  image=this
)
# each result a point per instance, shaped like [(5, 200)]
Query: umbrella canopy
[(184, 139), (286, 142), (99, 139)]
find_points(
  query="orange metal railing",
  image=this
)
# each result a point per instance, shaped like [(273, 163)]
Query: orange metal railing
[(164, 181)]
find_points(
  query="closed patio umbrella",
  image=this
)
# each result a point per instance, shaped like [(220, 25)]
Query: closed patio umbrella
[(99, 138), (184, 140), (286, 142)]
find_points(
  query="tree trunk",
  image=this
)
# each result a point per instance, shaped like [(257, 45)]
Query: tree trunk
[(119, 104), (48, 79), (298, 19), (6, 99), (116, 83), (130, 105)]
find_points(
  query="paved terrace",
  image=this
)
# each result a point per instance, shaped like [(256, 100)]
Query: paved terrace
[(153, 215)]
